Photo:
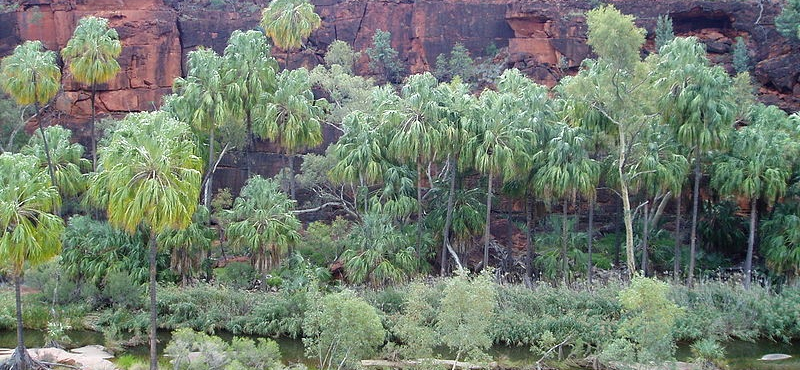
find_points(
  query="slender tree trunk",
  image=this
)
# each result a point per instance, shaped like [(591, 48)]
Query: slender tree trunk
[(617, 234), (509, 236), (292, 181), (210, 180), (50, 168), (419, 205), (249, 147), (590, 239), (448, 222), (645, 238), (751, 242), (626, 205), (529, 245), (18, 302), (487, 229), (564, 264), (695, 206), (94, 133), (676, 264), (153, 307)]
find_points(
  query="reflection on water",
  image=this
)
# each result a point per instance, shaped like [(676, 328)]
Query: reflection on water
[(740, 355)]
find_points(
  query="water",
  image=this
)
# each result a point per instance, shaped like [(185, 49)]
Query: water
[(740, 355)]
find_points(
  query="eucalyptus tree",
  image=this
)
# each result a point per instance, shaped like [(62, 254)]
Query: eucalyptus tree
[(288, 22), (756, 167), (148, 176), (190, 246), (31, 76), (699, 104), (67, 157), (567, 170), (249, 72), (617, 85), (498, 139), (92, 54), (202, 100), (459, 107), (262, 221), (291, 117), (417, 137), (29, 232)]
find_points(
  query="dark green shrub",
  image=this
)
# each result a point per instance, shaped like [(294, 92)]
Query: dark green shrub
[(236, 275)]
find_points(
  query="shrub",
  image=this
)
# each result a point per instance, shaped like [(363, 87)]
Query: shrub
[(237, 275), (341, 329), (122, 292), (465, 315)]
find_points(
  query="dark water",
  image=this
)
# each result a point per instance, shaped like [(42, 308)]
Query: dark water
[(740, 355)]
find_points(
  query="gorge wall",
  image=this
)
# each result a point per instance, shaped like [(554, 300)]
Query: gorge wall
[(543, 38)]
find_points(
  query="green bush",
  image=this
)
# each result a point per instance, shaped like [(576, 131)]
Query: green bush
[(237, 275), (193, 350), (340, 329), (122, 292), (465, 315)]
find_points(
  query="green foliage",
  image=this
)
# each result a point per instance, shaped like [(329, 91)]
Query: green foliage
[(458, 64), (92, 51), (288, 22), (322, 243), (781, 240), (341, 53), (413, 330), (119, 289), (346, 92), (341, 329), (614, 37), (30, 74), (708, 353), (720, 227), (383, 59), (645, 333), (788, 22), (741, 59), (66, 157), (192, 350), (236, 275), (664, 33), (12, 122), (466, 313)]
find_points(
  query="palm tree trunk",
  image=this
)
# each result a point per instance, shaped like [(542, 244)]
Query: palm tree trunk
[(751, 242), (487, 229), (50, 168), (695, 206), (590, 240), (153, 307), (564, 241), (210, 180), (645, 237), (18, 302), (626, 204), (676, 264), (529, 245), (94, 133), (249, 146), (509, 236), (448, 222), (419, 205), (292, 181)]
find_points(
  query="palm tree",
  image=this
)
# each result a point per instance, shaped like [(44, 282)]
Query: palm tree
[(567, 170), (249, 72), (29, 232), (68, 162), (291, 118), (148, 175), (31, 76), (700, 107), (755, 168), (202, 101), (189, 246), (262, 221), (379, 253), (417, 138), (288, 22), (92, 54)]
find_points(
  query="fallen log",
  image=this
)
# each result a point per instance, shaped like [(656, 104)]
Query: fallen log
[(410, 363)]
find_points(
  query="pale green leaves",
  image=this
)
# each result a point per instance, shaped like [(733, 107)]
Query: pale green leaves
[(30, 75), (92, 51), (288, 22), (614, 37)]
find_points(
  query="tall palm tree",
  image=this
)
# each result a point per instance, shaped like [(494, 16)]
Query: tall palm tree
[(699, 105), (92, 54), (31, 76), (68, 162), (249, 72), (291, 117), (262, 221), (148, 175), (29, 232), (497, 140), (755, 168), (288, 22), (189, 246), (415, 122), (567, 170), (202, 101)]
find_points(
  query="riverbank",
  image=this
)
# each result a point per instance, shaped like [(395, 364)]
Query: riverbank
[(92, 357)]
